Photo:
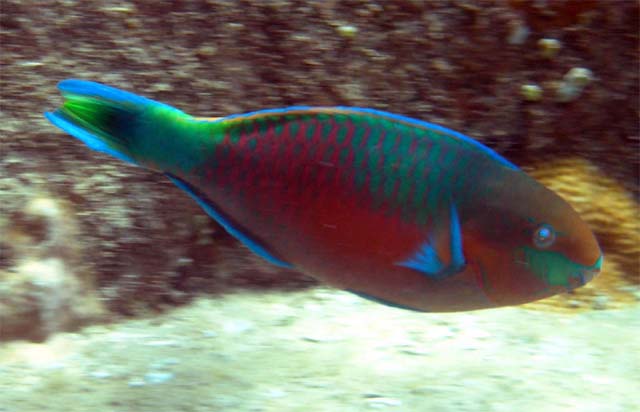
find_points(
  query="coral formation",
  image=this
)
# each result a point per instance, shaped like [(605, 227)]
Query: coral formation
[(44, 286), (615, 217)]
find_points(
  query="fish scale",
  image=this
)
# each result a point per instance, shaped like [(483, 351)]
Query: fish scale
[(395, 209)]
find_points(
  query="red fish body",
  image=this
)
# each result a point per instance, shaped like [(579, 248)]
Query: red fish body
[(398, 210)]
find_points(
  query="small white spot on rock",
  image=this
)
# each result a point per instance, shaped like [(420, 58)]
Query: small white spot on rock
[(155, 378), (43, 207), (600, 302), (549, 48), (579, 76), (383, 402), (275, 393), (100, 374), (165, 363), (531, 92), (237, 326), (163, 343), (347, 31), (209, 334), (136, 383), (518, 34)]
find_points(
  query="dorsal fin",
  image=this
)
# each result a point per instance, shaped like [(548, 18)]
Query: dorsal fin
[(212, 210), (373, 113)]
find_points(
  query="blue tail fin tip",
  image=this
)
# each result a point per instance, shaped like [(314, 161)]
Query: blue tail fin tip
[(88, 88), (91, 140), (95, 89)]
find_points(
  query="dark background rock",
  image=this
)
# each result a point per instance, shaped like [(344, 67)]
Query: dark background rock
[(143, 244)]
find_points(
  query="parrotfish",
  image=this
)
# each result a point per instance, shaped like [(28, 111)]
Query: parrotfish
[(394, 209)]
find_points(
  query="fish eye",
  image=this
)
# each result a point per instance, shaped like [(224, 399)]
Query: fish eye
[(544, 236)]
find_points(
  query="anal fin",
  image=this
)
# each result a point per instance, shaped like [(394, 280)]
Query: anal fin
[(383, 301), (233, 229)]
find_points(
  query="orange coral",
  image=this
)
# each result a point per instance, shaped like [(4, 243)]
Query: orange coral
[(613, 213)]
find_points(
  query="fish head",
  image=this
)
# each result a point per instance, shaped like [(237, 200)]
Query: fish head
[(527, 243)]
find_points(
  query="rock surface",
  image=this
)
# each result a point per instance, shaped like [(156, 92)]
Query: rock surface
[(126, 241)]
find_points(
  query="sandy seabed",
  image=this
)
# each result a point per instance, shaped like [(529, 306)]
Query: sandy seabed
[(323, 350)]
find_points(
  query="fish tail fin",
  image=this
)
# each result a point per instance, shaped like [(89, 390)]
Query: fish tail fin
[(104, 118)]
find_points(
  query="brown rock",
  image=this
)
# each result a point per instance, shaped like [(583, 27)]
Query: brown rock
[(144, 245)]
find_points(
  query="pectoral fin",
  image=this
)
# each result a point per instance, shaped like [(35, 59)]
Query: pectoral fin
[(428, 261)]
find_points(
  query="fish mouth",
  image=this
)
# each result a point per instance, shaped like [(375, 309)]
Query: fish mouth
[(586, 275)]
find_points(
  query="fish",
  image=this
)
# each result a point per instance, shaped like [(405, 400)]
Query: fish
[(394, 209)]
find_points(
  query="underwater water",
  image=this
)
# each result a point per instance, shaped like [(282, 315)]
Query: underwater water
[(118, 292)]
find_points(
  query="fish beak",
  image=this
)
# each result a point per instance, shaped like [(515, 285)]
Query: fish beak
[(591, 272)]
